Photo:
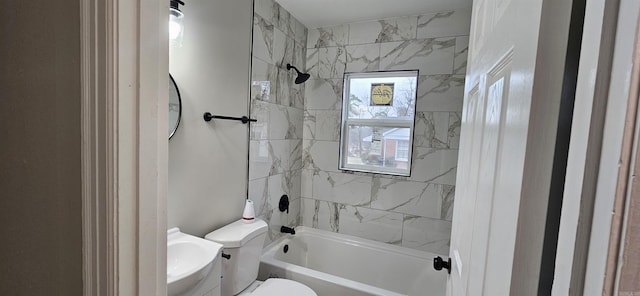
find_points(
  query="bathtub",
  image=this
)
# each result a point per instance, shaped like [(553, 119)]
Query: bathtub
[(335, 264)]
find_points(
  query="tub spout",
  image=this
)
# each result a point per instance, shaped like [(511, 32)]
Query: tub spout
[(285, 229)]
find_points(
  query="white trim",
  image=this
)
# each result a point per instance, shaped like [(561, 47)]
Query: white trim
[(381, 122), (375, 122), (595, 147), (124, 52), (612, 141), (100, 263)]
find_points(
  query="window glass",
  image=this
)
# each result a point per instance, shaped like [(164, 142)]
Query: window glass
[(377, 122)]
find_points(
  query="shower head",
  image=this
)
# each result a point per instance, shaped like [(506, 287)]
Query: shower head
[(302, 77)]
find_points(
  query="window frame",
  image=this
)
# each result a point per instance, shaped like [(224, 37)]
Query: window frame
[(345, 122)]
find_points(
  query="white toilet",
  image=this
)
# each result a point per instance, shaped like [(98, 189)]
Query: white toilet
[(244, 242)]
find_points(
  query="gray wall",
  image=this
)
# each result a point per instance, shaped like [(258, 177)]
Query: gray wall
[(208, 161), (40, 178), (413, 212)]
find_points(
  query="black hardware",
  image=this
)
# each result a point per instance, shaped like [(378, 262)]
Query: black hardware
[(226, 256), (302, 77), (439, 264), (208, 116), (284, 203), (285, 229), (175, 4), (286, 248)]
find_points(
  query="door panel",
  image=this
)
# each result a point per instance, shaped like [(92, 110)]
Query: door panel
[(491, 149), (512, 97)]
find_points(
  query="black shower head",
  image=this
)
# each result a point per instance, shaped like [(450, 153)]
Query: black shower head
[(302, 77)]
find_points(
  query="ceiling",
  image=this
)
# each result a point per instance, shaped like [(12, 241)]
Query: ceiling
[(321, 13)]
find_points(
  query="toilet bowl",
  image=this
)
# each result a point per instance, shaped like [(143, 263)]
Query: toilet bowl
[(242, 247)]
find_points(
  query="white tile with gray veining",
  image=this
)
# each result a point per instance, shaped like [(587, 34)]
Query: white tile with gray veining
[(259, 159), (282, 20), (431, 130), (295, 155), (295, 118), (327, 126), (294, 217), (332, 62), (441, 24), (430, 56), (328, 37), (285, 155), (263, 80), (277, 219), (283, 47), (320, 155), (307, 183), (284, 82), (414, 198), (259, 193), (426, 234), (262, 39), (460, 58), (448, 195), (435, 165), (284, 122), (340, 187), (440, 93), (386, 30), (287, 183), (260, 111), (372, 224), (264, 8), (323, 94), (320, 214), (362, 58), (455, 121), (296, 95), (300, 33), (309, 125), (312, 62), (299, 57)]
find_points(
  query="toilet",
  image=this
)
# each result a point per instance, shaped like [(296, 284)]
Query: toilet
[(243, 242)]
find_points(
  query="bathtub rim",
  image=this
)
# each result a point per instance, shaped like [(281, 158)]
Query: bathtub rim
[(269, 257), (356, 241)]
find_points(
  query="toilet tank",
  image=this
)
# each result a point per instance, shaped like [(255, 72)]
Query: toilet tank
[(244, 242)]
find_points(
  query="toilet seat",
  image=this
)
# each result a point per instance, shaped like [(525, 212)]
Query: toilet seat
[(282, 287)]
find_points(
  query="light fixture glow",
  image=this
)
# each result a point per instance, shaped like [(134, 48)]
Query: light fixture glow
[(175, 28), (176, 18)]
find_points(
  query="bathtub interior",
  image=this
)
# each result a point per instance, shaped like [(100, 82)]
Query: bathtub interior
[(393, 268)]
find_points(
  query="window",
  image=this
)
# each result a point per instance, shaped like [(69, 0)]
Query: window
[(402, 150), (377, 122)]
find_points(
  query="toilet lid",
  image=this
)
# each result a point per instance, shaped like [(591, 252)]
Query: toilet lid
[(282, 287)]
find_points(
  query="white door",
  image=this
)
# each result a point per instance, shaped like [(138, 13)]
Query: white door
[(512, 98)]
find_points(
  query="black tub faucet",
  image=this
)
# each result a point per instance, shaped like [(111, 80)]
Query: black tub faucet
[(285, 229)]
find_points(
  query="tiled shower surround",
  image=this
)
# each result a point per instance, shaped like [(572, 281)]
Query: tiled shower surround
[(275, 149), (294, 146)]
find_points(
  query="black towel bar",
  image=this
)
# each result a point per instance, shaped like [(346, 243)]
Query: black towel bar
[(208, 116)]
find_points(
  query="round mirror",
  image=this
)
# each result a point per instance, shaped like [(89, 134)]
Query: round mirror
[(175, 106)]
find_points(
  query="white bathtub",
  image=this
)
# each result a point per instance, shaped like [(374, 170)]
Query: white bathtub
[(334, 264)]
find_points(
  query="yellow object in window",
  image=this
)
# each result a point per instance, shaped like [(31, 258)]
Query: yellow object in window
[(381, 94)]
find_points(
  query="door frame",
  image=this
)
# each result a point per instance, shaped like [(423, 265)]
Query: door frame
[(124, 67), (595, 148)]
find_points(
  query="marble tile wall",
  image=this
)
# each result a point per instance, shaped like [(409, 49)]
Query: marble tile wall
[(413, 212), (275, 151)]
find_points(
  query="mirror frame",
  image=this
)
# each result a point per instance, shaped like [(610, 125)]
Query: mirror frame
[(175, 85)]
